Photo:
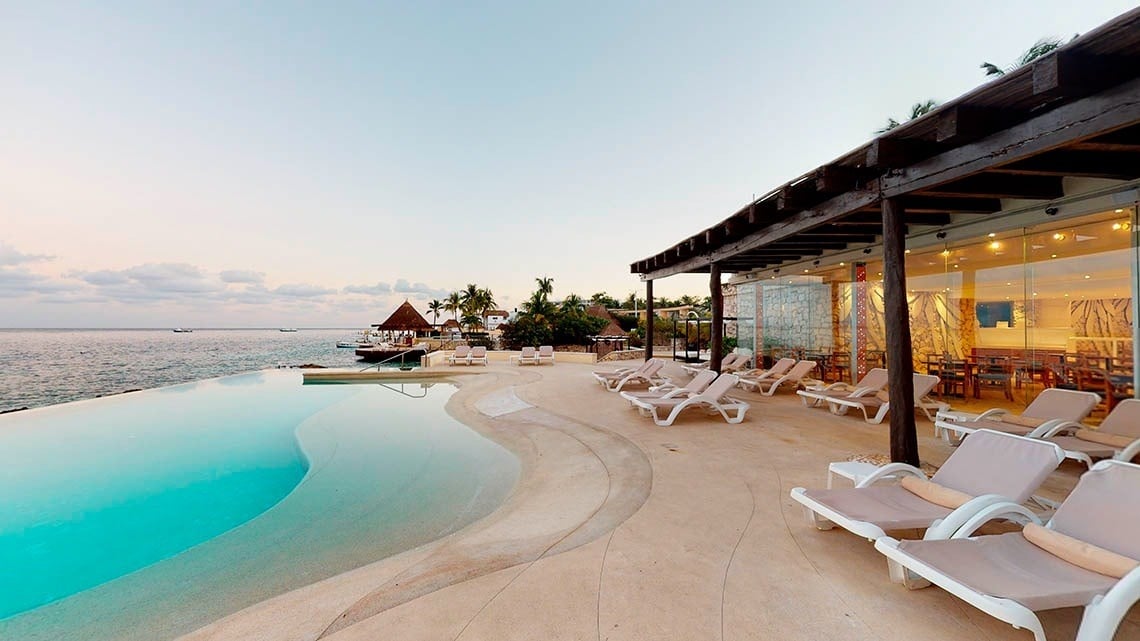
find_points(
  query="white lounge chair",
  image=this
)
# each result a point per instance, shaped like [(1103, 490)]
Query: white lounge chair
[(459, 356), (988, 468), (726, 364), (546, 354), (647, 375), (872, 381), (698, 384), (1087, 555), (1118, 435), (715, 398), (768, 386), (876, 406), (1052, 407), (528, 357), (778, 369), (477, 355)]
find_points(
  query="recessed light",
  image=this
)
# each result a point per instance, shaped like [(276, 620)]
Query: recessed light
[(945, 252), (1052, 255), (1087, 277), (995, 245), (1058, 236), (955, 265), (842, 264), (1120, 211), (991, 234), (907, 251), (1009, 283)]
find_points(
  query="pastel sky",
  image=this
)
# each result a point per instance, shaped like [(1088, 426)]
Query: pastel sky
[(313, 164)]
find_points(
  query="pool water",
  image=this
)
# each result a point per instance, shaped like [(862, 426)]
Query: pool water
[(150, 514)]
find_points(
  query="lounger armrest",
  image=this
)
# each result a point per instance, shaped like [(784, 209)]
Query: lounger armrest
[(1104, 614), (891, 469), (991, 413), (945, 528), (1006, 510), (1050, 429), (664, 387), (858, 392), (1130, 452)]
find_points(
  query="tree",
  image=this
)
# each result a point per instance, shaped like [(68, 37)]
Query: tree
[(573, 305), (472, 321), (1039, 48), (545, 286), (484, 302), (633, 302), (605, 300), (453, 304), (434, 307), (917, 110)]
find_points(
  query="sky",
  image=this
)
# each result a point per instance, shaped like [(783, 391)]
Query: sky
[(262, 164)]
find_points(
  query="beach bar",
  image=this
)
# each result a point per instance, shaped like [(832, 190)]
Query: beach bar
[(992, 242)]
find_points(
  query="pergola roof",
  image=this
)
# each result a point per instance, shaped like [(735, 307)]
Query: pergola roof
[(405, 319), (1072, 113), (611, 328)]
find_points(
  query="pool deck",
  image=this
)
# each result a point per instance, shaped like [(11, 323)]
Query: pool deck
[(622, 530)]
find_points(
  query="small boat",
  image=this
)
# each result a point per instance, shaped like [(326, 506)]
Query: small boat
[(348, 344), (287, 329), (182, 330)]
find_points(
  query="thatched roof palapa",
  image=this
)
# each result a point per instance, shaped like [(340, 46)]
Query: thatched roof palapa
[(405, 319), (451, 323), (611, 328)]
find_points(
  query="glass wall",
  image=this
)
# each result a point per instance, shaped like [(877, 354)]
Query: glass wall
[(1001, 313)]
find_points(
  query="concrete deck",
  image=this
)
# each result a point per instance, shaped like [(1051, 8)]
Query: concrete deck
[(621, 530)]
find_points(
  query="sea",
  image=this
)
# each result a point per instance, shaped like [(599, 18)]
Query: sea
[(45, 366)]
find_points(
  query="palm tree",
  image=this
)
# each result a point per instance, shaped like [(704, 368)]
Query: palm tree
[(538, 307), (434, 307), (917, 110), (573, 304), (484, 302), (453, 304), (1039, 48), (469, 294), (545, 286), (472, 321)]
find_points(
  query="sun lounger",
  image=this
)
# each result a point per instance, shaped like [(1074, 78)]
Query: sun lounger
[(1087, 555), (715, 399), (528, 357), (459, 356), (1117, 437), (477, 355), (768, 386), (545, 354), (726, 364), (876, 406), (1052, 407), (647, 375), (988, 468), (872, 382), (699, 384), (778, 369)]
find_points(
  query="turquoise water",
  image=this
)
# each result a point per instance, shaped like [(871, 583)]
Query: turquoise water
[(150, 514)]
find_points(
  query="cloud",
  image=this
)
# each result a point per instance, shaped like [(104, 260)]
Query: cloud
[(404, 287), (103, 277), (9, 255), (241, 276), (17, 282), (302, 291), (379, 289), (153, 281)]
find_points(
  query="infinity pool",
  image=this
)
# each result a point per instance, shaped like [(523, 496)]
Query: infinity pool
[(149, 514)]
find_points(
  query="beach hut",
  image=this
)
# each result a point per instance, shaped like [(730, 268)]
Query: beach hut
[(404, 325), (612, 336)]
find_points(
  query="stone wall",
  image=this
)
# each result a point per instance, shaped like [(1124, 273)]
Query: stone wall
[(797, 316)]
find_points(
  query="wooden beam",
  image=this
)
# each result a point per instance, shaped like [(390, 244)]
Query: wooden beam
[(836, 179), (1002, 186), (892, 153), (1069, 123), (934, 204), (1095, 164), (792, 199), (1068, 73), (717, 331), (648, 319), (900, 367), (822, 214), (963, 123)]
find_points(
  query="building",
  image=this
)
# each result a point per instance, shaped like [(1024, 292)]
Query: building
[(404, 325), (495, 318), (681, 311), (998, 230)]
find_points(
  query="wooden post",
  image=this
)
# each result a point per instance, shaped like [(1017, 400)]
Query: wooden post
[(716, 338), (648, 319), (900, 366)]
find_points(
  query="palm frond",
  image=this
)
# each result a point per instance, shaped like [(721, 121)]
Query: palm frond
[(992, 69)]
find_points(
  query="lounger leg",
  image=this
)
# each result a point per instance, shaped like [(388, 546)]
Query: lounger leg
[(817, 521), (903, 576)]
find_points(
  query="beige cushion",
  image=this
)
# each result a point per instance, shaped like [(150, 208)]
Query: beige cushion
[(1096, 436), (934, 493), (1023, 421), (1081, 554)]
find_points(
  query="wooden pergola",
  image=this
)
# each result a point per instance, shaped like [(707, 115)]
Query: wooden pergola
[(1072, 113)]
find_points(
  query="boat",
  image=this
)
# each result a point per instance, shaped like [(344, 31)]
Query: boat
[(182, 330), (349, 344), (287, 329)]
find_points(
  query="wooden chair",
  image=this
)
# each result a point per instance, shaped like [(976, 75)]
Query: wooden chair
[(994, 371), (1091, 379)]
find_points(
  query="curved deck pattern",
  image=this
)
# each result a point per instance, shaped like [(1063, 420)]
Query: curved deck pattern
[(622, 530)]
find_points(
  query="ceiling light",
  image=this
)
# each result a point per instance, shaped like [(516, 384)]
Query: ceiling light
[(1058, 236), (1120, 211), (995, 245), (1009, 283), (991, 234), (945, 252), (1052, 255), (1087, 277), (955, 265), (907, 251), (805, 271), (842, 264)]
